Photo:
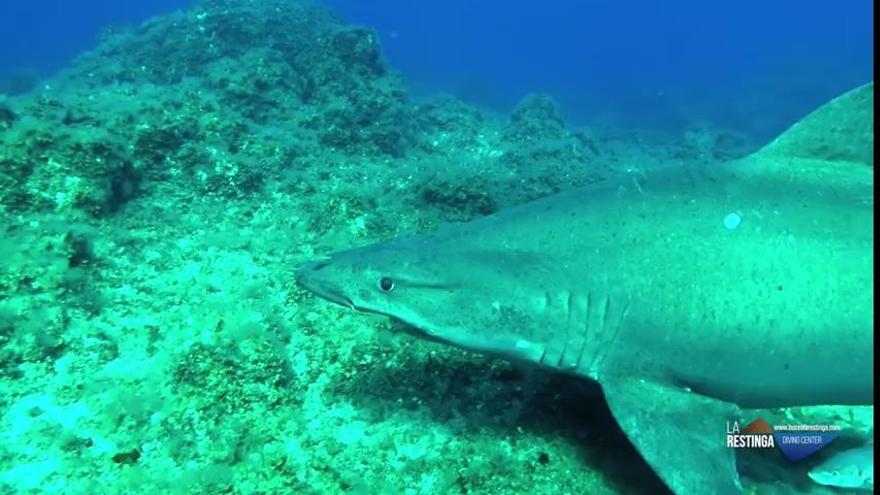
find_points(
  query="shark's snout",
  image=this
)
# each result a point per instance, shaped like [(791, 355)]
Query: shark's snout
[(311, 266), (312, 277)]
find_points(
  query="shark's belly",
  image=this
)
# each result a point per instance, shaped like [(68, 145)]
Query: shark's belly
[(812, 371)]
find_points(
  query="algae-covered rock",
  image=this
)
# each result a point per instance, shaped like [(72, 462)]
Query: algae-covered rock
[(52, 165), (218, 96), (537, 117), (446, 125), (7, 115), (545, 156), (291, 61), (705, 144), (467, 198)]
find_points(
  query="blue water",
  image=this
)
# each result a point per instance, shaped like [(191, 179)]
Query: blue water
[(749, 65), (44, 35)]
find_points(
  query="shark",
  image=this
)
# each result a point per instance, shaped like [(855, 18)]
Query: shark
[(851, 469), (689, 294)]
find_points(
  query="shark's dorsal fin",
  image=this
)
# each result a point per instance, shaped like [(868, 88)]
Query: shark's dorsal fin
[(841, 130), (829, 152)]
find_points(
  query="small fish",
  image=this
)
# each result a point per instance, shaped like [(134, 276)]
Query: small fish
[(853, 469)]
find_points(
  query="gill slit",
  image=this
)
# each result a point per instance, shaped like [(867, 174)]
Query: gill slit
[(568, 327)]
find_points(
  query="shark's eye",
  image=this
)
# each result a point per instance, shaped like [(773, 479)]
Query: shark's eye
[(386, 284)]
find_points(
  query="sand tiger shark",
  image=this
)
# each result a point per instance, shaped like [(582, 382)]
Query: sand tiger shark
[(689, 295)]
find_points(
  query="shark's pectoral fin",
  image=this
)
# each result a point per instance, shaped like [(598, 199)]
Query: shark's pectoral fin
[(681, 434)]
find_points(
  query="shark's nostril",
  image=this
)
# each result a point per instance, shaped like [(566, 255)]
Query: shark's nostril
[(305, 271), (319, 265)]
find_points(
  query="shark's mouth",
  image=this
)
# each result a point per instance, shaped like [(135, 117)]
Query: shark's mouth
[(331, 295), (506, 348), (340, 300), (401, 326)]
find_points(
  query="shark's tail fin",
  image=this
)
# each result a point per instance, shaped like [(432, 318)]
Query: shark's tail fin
[(842, 130)]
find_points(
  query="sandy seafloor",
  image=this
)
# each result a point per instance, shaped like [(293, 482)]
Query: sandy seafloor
[(155, 198)]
